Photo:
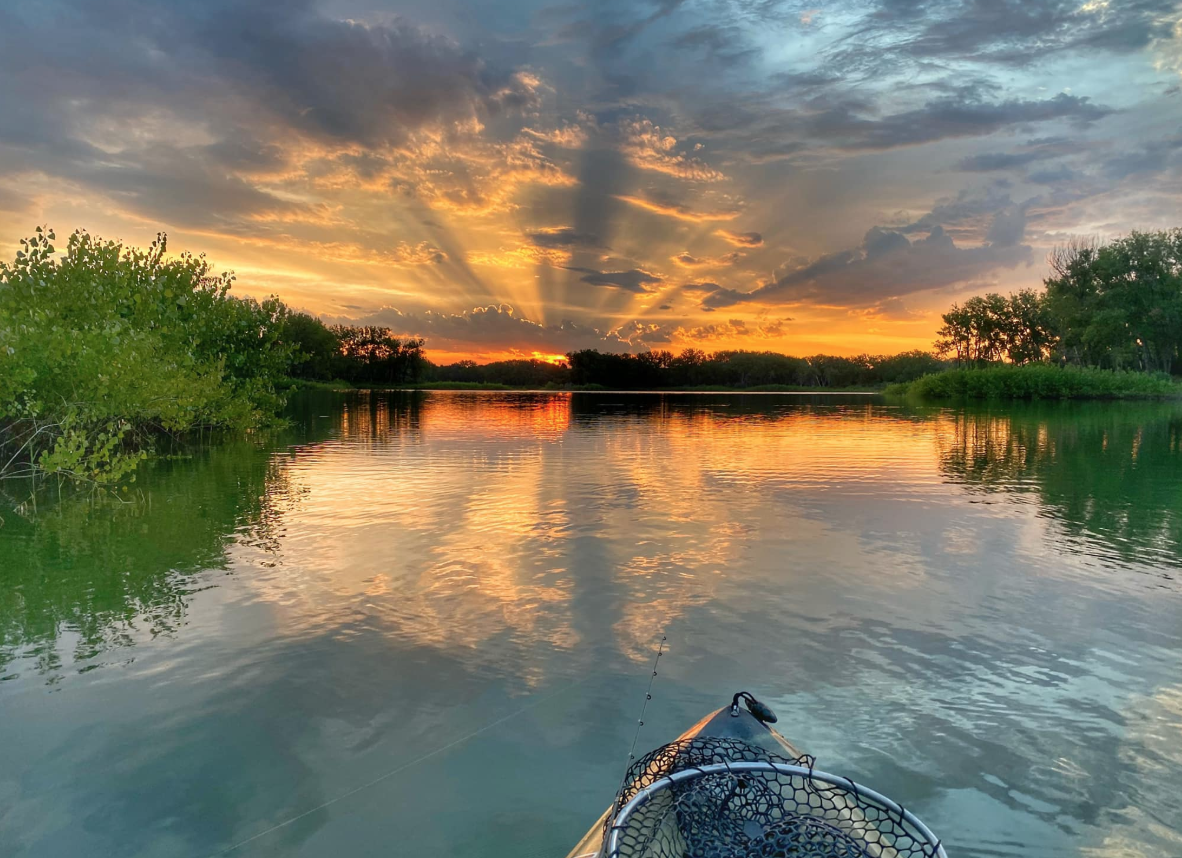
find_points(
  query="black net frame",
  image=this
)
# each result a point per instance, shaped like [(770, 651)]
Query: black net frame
[(725, 798)]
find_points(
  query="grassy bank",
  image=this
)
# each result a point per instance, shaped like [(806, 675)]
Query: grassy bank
[(1037, 381)]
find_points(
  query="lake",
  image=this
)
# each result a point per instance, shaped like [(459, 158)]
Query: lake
[(423, 624)]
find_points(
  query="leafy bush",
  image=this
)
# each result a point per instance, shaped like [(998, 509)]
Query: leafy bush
[(105, 346), (1038, 381)]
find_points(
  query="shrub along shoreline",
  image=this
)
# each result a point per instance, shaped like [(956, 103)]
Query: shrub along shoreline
[(1037, 381)]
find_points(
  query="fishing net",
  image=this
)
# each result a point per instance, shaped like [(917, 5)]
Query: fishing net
[(724, 798)]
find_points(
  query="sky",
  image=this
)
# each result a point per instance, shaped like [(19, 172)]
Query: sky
[(523, 178)]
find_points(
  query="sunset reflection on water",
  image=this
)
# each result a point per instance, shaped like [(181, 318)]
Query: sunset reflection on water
[(974, 609)]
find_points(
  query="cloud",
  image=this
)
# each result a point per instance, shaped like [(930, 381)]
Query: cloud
[(552, 246), (472, 176), (998, 34), (634, 280), (740, 239), (562, 236), (967, 216), (12, 201), (569, 136), (472, 156), (498, 326), (732, 329), (720, 44), (195, 114), (649, 148), (400, 255), (893, 309), (991, 161), (1150, 158), (687, 260), (662, 204), (886, 265), (265, 65), (946, 118), (1031, 152)]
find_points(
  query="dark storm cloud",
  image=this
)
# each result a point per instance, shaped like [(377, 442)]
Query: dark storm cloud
[(633, 280)]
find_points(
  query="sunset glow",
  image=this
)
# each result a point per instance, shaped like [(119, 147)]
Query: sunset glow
[(526, 179)]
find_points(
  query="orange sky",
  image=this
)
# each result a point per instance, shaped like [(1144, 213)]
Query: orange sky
[(536, 179)]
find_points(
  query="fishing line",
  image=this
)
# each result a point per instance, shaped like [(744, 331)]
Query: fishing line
[(648, 695), (414, 762)]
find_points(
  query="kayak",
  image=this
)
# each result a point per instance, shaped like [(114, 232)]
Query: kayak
[(731, 786)]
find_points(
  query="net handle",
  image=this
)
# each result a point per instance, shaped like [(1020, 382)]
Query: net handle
[(645, 793)]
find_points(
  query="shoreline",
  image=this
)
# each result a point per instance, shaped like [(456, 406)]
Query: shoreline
[(452, 387)]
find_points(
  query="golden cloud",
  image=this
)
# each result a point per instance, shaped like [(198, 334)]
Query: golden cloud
[(647, 147), (687, 260), (668, 208)]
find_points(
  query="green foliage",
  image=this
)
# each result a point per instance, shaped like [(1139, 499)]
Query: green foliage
[(1038, 381), (991, 328), (315, 348), (1120, 304), (103, 346), (370, 354)]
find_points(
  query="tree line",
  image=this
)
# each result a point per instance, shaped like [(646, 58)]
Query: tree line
[(372, 355), (745, 369), (1110, 306), (105, 347)]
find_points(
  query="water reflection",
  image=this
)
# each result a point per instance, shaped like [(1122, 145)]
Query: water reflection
[(92, 574), (1109, 473), (971, 609)]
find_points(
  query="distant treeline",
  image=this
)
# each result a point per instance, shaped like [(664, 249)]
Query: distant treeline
[(369, 355), (364, 354), (744, 369)]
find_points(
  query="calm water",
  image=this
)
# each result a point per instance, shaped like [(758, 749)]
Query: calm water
[(976, 612)]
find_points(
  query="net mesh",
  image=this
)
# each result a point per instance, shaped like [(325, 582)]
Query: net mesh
[(766, 813)]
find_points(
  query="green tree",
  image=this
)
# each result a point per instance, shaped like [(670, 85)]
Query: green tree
[(1119, 304), (103, 347), (991, 328), (369, 353), (314, 346), (1030, 333)]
